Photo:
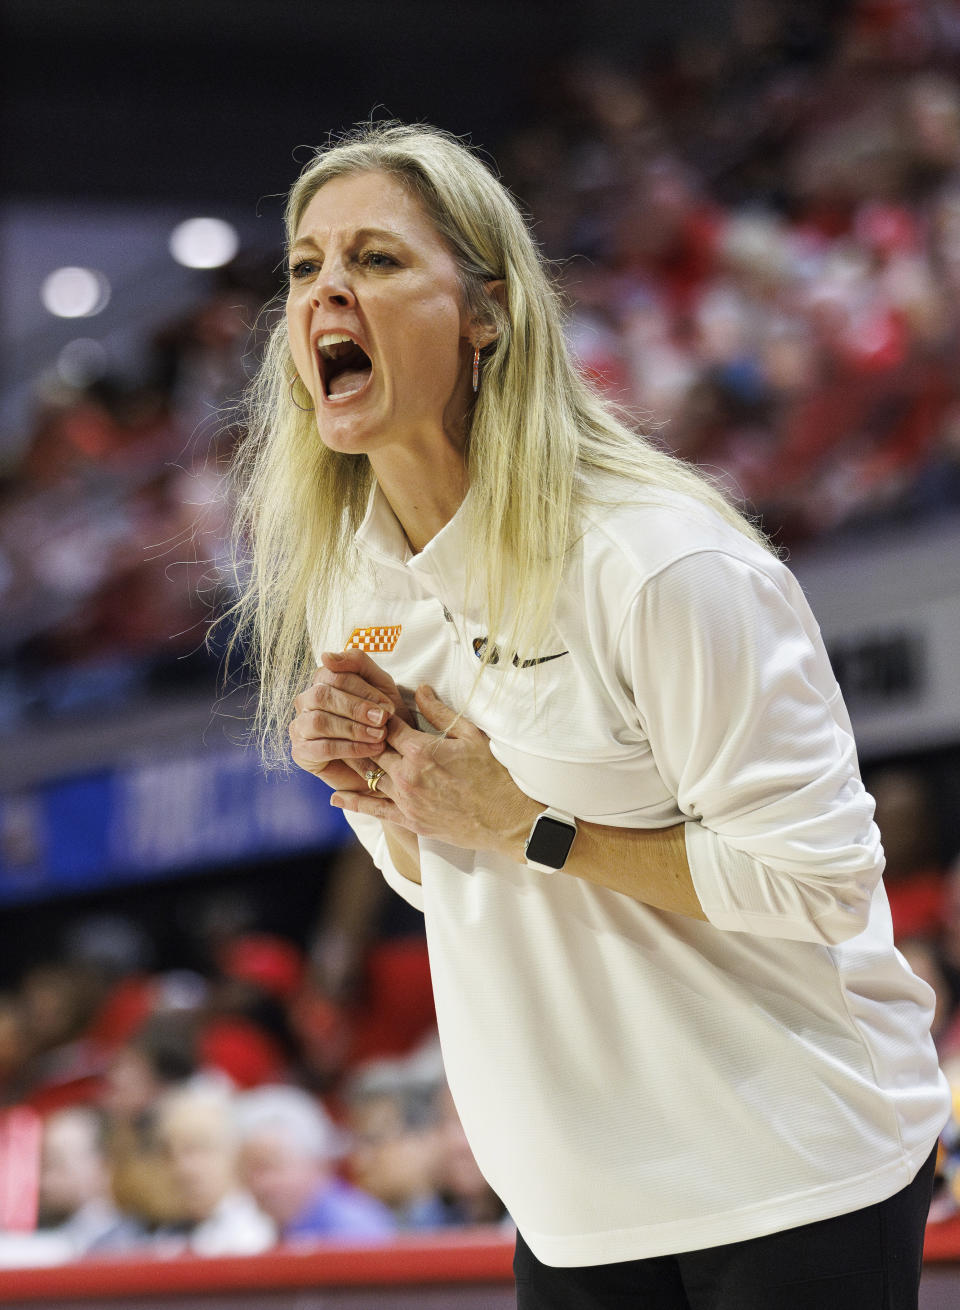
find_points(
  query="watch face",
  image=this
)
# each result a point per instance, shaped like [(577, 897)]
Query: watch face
[(550, 843)]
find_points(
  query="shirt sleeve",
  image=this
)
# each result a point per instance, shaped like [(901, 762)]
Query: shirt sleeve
[(749, 731), (371, 835)]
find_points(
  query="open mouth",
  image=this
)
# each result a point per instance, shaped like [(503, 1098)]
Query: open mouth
[(345, 368)]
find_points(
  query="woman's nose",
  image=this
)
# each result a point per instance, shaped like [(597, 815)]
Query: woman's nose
[(331, 287)]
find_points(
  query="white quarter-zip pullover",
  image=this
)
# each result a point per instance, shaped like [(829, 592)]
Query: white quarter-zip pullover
[(634, 1082)]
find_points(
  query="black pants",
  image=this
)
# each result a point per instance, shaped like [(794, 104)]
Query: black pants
[(867, 1260)]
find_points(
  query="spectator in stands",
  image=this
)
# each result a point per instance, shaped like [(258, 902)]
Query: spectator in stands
[(466, 1195), (158, 1058), (217, 1217), (59, 1000), (395, 1151), (246, 1032), (914, 880), (288, 1156), (76, 1200), (155, 1061), (367, 994), (13, 1043)]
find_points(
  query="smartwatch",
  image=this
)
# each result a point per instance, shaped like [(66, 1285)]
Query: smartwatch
[(550, 840)]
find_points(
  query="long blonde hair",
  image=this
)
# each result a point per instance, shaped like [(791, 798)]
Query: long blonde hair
[(538, 435)]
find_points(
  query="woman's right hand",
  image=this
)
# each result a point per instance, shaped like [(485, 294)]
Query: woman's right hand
[(341, 719)]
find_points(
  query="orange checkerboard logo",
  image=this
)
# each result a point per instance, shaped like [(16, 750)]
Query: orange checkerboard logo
[(374, 640)]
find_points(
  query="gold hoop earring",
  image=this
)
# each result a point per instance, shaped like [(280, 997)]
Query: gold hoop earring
[(306, 409), (476, 369)]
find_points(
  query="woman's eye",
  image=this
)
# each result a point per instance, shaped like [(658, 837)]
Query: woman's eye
[(303, 268), (376, 259), (307, 268)]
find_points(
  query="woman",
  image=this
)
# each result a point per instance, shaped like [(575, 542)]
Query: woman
[(624, 792)]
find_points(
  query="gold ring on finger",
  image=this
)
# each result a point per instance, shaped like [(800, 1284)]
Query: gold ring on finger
[(373, 776)]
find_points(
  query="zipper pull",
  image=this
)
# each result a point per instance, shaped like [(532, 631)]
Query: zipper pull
[(451, 620)]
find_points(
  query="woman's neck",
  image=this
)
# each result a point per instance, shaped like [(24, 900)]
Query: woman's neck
[(424, 498)]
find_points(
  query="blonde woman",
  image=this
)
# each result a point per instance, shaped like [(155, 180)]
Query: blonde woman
[(582, 717)]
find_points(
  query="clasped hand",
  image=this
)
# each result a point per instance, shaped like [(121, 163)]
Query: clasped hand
[(353, 717)]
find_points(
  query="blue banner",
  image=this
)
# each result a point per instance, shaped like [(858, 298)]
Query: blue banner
[(158, 818)]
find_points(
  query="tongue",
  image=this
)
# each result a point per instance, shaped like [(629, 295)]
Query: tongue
[(351, 379)]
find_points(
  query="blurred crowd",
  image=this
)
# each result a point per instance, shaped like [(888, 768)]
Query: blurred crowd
[(759, 240), (113, 521), (277, 1094)]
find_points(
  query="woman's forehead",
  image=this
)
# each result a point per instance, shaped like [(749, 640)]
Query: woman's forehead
[(365, 200)]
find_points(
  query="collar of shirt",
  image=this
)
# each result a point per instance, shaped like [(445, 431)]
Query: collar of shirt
[(439, 569)]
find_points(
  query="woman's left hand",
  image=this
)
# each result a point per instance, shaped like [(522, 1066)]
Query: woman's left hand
[(450, 788)]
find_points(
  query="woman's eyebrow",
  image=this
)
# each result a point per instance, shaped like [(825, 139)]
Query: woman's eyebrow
[(362, 234), (378, 233)]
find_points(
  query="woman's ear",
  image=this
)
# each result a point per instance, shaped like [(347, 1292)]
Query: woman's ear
[(497, 288), (485, 329)]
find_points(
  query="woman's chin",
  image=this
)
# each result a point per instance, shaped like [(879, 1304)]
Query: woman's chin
[(349, 425), (347, 438)]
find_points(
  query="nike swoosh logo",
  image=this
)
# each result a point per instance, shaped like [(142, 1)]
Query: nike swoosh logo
[(480, 646), (543, 659)]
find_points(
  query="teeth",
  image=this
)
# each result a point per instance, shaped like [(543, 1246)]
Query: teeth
[(326, 340)]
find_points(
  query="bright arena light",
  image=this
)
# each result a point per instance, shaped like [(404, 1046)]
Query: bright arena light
[(204, 242), (75, 292)]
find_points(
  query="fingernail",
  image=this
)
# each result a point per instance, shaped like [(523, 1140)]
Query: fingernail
[(336, 802), (376, 716)]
